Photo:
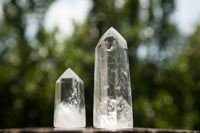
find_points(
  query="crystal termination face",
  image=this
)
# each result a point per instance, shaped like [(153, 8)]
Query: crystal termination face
[(69, 108), (112, 89)]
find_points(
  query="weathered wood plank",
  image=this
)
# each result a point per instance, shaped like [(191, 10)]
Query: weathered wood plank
[(93, 130)]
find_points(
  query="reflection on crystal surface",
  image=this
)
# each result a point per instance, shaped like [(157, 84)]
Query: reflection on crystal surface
[(69, 101), (112, 89)]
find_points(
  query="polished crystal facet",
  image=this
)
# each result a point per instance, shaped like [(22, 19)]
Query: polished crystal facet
[(69, 108), (112, 89)]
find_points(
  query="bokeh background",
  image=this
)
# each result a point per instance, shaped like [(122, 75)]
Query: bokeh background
[(40, 39)]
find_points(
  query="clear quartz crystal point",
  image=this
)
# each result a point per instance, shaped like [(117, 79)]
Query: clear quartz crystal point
[(112, 89), (69, 111)]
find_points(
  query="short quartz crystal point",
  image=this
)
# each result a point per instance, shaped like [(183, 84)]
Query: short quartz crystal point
[(112, 88), (69, 111)]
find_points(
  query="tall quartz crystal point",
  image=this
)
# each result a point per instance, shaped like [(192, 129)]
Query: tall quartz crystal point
[(112, 89), (69, 111)]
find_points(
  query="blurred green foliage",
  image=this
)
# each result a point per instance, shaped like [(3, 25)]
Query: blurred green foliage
[(165, 82)]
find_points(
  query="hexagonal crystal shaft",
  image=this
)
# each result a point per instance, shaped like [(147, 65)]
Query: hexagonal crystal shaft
[(112, 88), (69, 110)]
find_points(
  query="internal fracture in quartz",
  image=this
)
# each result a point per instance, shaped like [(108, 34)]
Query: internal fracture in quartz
[(69, 108), (112, 88)]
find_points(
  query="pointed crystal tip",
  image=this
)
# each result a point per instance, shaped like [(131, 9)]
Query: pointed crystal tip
[(69, 74), (112, 32)]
